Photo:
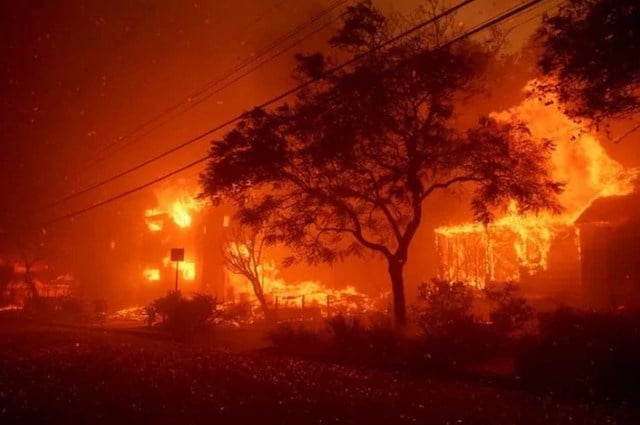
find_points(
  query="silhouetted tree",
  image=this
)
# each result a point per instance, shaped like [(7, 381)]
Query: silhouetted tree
[(591, 49), (347, 167), (242, 255), (25, 245)]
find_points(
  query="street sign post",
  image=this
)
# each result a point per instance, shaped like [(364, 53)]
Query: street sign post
[(177, 255)]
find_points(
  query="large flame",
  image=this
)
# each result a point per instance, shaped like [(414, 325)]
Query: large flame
[(500, 251), (177, 203), (579, 160)]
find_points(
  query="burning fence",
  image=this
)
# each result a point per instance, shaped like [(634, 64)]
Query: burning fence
[(517, 246), (310, 295)]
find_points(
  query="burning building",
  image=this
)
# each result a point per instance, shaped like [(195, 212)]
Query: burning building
[(609, 234), (552, 256), (181, 220)]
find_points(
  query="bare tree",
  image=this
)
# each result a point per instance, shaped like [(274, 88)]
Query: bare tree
[(242, 255), (26, 245)]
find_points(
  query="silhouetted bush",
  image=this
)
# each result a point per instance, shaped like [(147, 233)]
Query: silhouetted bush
[(583, 354), (181, 315), (510, 312), (241, 312), (59, 309), (453, 336), (345, 329), (299, 340), (343, 339), (373, 342), (447, 307)]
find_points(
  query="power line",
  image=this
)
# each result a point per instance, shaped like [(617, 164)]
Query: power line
[(496, 20), (265, 104), (192, 104), (141, 131), (141, 126), (273, 45), (537, 15), (130, 170), (124, 194)]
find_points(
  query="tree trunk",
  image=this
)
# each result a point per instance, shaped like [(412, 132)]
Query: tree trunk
[(257, 289), (397, 286)]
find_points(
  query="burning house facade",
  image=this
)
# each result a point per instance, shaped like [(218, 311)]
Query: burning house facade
[(578, 257), (180, 220)]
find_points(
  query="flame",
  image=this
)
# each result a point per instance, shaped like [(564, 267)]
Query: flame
[(308, 293), (187, 268), (152, 275), (177, 203), (515, 242), (154, 220), (180, 214), (579, 160)]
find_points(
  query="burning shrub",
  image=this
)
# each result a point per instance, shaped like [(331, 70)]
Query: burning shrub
[(181, 315), (583, 354), (510, 312)]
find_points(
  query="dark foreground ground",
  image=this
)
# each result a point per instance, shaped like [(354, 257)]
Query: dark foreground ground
[(51, 375)]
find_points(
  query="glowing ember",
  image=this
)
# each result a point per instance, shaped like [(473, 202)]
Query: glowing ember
[(514, 243)]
